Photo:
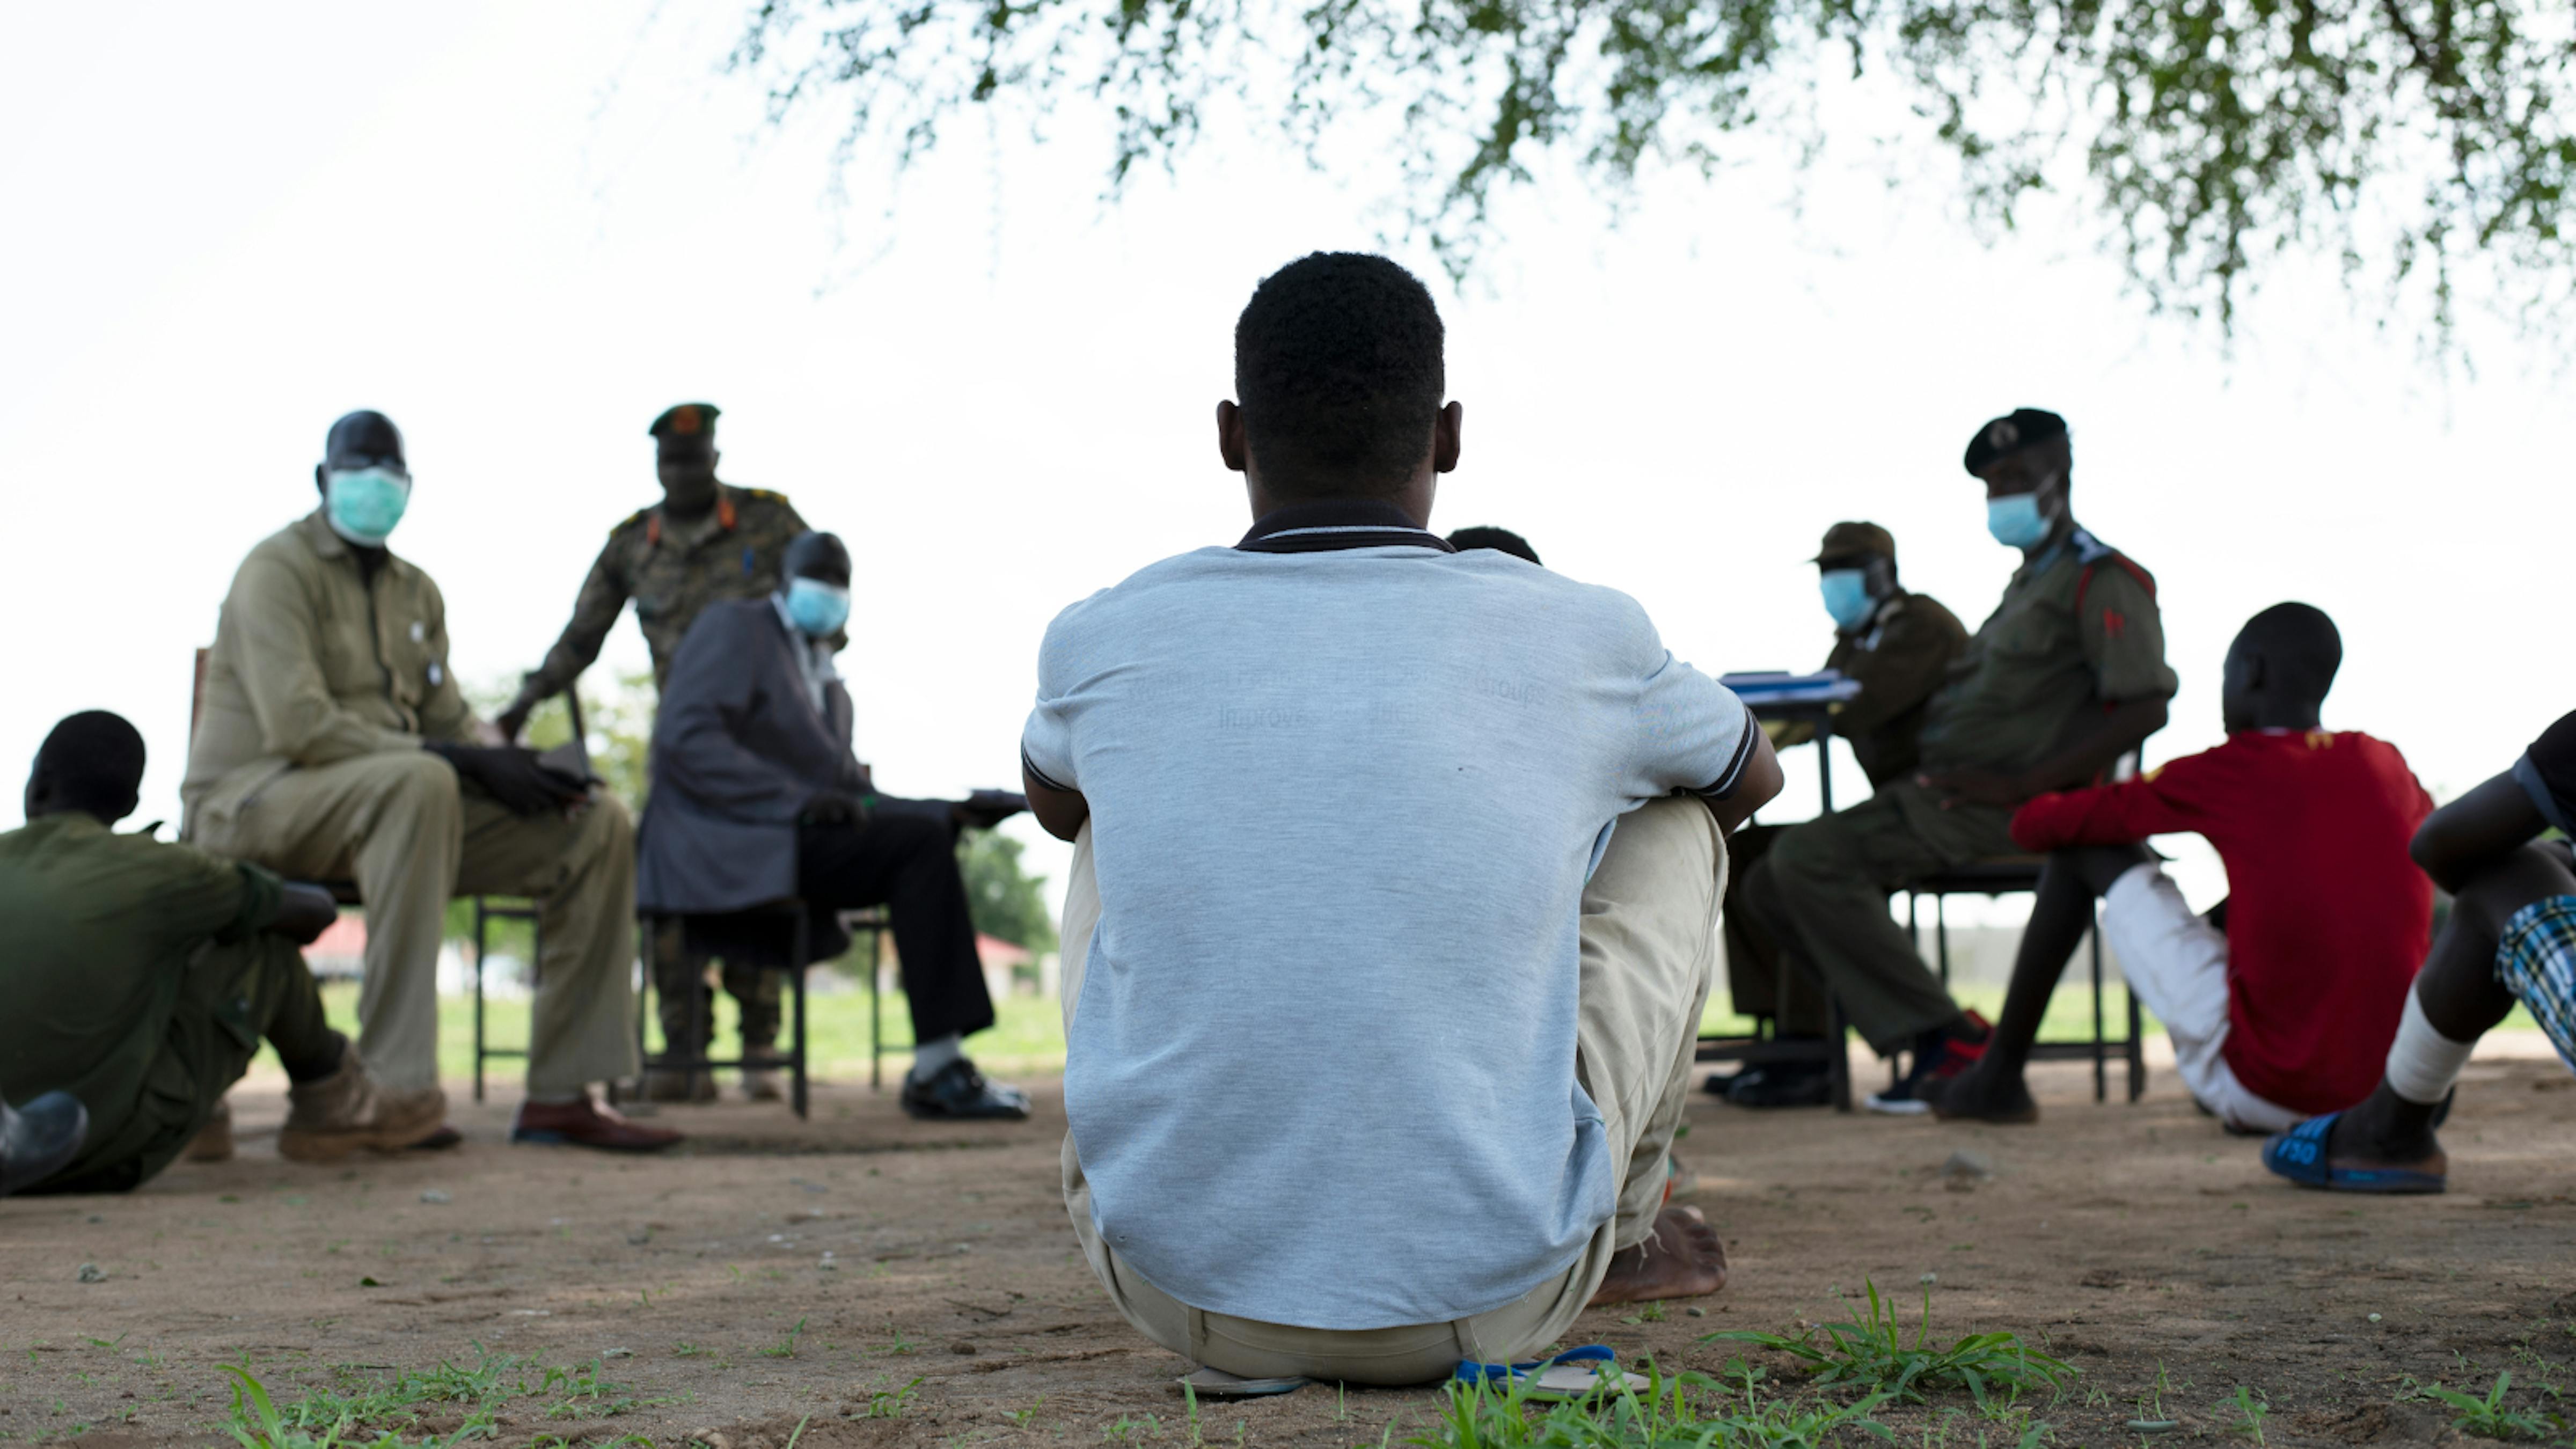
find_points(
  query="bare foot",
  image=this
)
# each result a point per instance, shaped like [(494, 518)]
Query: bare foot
[(1684, 1259), (1985, 1093)]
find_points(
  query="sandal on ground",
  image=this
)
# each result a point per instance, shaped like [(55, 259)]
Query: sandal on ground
[(1208, 1383), (2300, 1155), (1574, 1374)]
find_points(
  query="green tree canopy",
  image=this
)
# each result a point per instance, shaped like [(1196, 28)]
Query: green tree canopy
[(1008, 903), (2407, 140)]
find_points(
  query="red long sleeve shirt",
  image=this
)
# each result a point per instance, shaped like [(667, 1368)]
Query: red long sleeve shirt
[(2327, 918)]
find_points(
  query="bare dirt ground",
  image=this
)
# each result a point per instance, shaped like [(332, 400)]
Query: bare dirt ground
[(774, 1275)]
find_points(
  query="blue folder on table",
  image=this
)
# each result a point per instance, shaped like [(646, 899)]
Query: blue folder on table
[(1759, 687)]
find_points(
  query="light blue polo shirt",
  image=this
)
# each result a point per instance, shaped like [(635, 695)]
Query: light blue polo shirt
[(1346, 785)]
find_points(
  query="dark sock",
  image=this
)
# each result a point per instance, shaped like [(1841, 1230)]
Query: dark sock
[(316, 1062)]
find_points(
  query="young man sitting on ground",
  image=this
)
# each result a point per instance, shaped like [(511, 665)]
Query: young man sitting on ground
[(2287, 1007), (1394, 897), (2511, 937), (142, 976)]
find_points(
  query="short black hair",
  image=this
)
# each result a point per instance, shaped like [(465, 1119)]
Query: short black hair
[(1501, 540), (2301, 644), (1337, 367), (93, 761), (816, 549)]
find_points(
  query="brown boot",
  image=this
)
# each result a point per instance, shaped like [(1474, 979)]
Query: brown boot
[(661, 1084), (329, 1119), (214, 1141)]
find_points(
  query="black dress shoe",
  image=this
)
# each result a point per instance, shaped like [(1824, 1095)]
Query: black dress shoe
[(37, 1139), (1782, 1084), (957, 1091)]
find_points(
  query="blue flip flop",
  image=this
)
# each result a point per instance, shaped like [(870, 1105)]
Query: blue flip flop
[(2300, 1155), (1572, 1374)]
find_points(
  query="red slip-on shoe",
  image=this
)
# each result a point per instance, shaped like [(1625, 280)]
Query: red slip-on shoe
[(586, 1124)]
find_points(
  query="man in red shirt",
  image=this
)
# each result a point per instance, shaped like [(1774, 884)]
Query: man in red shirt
[(2282, 1002)]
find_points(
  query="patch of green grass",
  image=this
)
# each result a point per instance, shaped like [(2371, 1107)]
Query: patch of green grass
[(786, 1348), (1875, 1357), (2488, 1418), (1686, 1409), (332, 1419), (1027, 1035), (2248, 1408), (890, 1403)]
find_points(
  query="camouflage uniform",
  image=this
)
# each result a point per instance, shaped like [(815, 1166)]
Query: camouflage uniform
[(672, 571)]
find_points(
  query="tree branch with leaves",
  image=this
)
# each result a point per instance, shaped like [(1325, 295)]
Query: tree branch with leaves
[(2405, 140)]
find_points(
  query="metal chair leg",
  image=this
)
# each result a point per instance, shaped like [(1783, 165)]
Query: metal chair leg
[(481, 921), (2137, 1050), (2101, 1089), (796, 981)]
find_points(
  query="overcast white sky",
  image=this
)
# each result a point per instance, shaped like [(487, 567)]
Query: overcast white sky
[(524, 230)]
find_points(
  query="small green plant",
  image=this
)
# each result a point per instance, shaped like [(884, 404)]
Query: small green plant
[(1128, 1430), (1022, 1417), (890, 1403), (2488, 1418), (1875, 1356), (2250, 1407), (1687, 1409), (786, 1347)]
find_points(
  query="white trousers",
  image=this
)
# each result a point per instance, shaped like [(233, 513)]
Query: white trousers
[(2176, 965)]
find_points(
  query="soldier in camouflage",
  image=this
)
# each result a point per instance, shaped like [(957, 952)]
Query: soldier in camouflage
[(706, 541)]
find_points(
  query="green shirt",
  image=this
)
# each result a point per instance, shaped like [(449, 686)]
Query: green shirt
[(1899, 658), (2077, 629), (101, 930)]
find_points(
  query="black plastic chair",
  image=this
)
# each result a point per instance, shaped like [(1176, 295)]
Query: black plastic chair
[(2012, 875), (789, 911)]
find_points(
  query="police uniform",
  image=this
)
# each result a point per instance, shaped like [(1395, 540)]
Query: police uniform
[(142, 979), (324, 680), (1899, 656), (673, 570), (2077, 630)]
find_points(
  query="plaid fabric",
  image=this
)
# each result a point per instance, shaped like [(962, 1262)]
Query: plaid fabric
[(2536, 961)]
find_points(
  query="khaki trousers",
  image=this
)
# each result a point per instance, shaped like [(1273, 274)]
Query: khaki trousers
[(1649, 935), (398, 825), (1822, 892)]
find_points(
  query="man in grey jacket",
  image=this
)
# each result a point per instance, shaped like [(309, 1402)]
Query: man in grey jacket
[(757, 798)]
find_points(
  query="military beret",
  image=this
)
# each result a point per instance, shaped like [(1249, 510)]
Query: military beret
[(2021, 428), (1850, 540), (363, 439), (687, 420)]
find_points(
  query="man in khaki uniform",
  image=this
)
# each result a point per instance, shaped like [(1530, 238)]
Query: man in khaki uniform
[(705, 542), (2066, 676), (1897, 646), (334, 744)]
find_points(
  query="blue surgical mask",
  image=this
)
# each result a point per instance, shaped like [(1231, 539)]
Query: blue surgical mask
[(2015, 520), (818, 608), (1847, 598), (364, 504)]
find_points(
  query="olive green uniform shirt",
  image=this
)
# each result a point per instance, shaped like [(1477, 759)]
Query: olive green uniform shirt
[(2077, 629), (1899, 658), (101, 933), (673, 571), (315, 663)]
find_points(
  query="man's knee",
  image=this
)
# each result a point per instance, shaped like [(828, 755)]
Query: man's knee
[(2519, 878), (1819, 850), (607, 832)]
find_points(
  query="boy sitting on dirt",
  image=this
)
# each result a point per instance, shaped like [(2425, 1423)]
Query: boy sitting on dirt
[(141, 977), (2511, 937), (1377, 1031), (2284, 1009)]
